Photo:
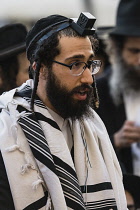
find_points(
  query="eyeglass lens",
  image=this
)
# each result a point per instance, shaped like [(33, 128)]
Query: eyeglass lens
[(79, 67)]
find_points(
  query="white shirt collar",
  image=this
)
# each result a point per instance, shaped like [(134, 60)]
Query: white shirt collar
[(58, 119)]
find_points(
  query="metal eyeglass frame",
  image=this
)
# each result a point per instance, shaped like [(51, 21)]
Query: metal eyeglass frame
[(87, 65)]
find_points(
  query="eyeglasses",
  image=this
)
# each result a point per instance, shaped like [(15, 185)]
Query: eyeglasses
[(77, 68)]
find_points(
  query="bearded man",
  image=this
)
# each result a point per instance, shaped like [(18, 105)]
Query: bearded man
[(54, 147), (119, 88)]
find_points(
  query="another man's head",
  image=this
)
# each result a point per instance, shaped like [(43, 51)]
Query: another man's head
[(54, 49), (124, 49), (13, 61)]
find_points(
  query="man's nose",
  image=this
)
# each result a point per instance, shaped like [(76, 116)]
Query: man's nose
[(86, 77)]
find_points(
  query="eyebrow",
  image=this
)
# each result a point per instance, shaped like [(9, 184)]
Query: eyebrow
[(137, 50), (79, 56)]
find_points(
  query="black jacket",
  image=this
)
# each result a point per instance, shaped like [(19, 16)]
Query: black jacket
[(6, 200), (113, 117)]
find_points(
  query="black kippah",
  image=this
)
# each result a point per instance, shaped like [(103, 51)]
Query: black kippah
[(40, 26)]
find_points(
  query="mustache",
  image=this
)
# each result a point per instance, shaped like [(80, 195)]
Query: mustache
[(83, 87)]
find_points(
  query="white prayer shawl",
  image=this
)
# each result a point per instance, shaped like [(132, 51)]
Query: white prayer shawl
[(26, 144)]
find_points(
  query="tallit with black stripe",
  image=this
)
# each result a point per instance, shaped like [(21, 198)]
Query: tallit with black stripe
[(37, 156)]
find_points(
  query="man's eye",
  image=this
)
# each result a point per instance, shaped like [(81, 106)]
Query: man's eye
[(77, 65), (134, 50)]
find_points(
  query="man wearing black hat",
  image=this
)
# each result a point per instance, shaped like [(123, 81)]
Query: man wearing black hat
[(55, 148), (119, 88), (13, 61)]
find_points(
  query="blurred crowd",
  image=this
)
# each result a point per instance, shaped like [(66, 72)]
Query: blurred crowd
[(118, 85), (119, 91)]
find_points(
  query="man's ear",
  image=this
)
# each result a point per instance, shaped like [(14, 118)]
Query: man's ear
[(34, 66), (43, 72)]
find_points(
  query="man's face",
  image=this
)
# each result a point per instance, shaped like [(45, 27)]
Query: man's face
[(126, 69), (70, 95), (131, 51), (131, 63)]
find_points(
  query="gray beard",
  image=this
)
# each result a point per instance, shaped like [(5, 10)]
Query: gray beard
[(124, 79)]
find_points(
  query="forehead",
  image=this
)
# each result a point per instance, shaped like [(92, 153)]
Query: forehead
[(71, 46), (132, 42)]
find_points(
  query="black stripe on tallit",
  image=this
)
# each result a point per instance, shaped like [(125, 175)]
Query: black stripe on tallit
[(36, 139), (25, 92), (38, 204), (46, 119), (70, 185), (43, 159), (72, 204), (21, 109), (96, 187), (62, 164), (39, 116), (102, 205)]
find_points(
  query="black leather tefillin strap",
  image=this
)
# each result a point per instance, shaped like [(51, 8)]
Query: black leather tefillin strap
[(82, 25)]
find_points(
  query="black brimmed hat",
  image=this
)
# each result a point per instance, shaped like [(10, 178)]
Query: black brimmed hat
[(127, 19), (103, 31), (12, 40), (132, 185)]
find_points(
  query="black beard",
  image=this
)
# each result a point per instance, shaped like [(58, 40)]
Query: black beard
[(62, 101)]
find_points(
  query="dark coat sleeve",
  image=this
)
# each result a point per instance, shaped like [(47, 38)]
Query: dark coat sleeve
[(6, 200), (113, 117)]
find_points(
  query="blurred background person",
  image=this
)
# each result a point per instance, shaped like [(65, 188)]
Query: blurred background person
[(13, 62), (119, 88)]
